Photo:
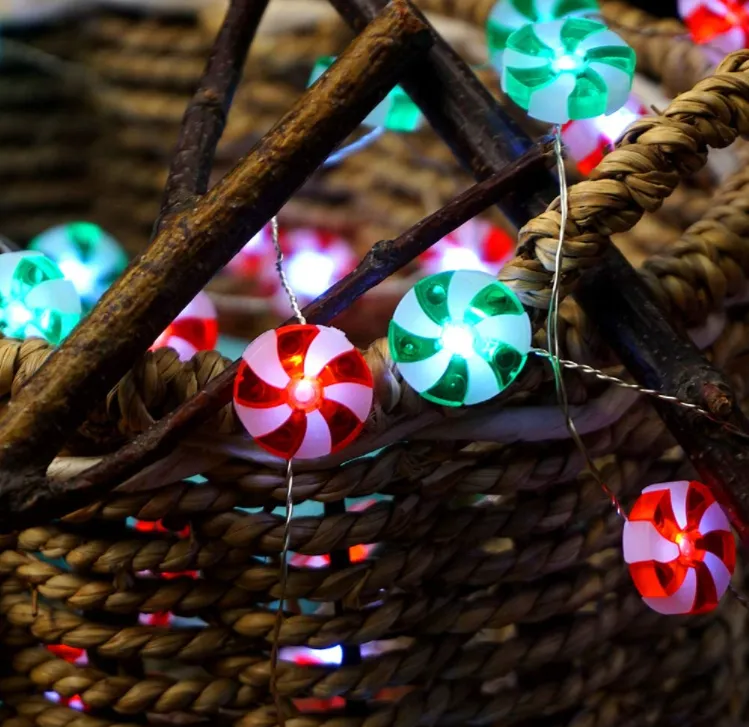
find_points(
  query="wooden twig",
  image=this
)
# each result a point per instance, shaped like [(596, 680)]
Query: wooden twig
[(197, 242), (205, 117), (41, 500), (483, 137), (658, 358)]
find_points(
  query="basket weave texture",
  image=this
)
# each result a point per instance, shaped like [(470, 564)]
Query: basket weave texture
[(494, 592)]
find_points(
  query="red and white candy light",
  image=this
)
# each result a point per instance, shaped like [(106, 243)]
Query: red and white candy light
[(250, 261), (194, 329), (588, 140), (313, 259), (679, 547), (723, 24), (303, 391), (476, 245)]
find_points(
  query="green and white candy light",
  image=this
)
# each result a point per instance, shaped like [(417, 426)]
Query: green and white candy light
[(507, 16), (90, 258), (35, 298), (567, 69), (459, 338)]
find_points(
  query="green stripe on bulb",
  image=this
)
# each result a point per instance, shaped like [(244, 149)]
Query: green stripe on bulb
[(432, 294), (406, 347), (452, 386)]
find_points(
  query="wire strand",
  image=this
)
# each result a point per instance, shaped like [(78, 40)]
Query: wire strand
[(284, 573), (552, 327), (282, 275), (621, 383), (696, 408), (338, 156)]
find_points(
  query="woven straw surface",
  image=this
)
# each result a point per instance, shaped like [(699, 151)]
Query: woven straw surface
[(494, 593), (46, 127)]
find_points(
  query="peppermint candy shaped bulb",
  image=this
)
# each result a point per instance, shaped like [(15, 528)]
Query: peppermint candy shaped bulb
[(35, 298), (88, 257), (194, 329), (588, 140), (303, 391), (724, 24), (475, 245), (507, 16), (567, 69), (679, 547), (460, 337)]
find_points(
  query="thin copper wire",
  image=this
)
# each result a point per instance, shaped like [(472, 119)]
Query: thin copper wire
[(621, 383), (552, 327), (282, 275), (284, 573), (696, 408), (284, 557)]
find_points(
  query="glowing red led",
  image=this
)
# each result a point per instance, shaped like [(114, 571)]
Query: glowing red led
[(723, 24), (475, 245), (303, 391), (70, 654), (194, 329), (157, 526), (679, 547)]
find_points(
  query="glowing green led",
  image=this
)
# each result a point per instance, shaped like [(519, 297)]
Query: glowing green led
[(567, 69), (35, 298), (397, 112), (507, 16), (90, 258), (459, 338)]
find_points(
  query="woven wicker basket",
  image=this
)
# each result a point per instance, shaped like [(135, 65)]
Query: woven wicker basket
[(491, 590), (46, 123)]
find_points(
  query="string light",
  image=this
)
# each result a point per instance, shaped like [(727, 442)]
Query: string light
[(507, 16), (589, 140), (194, 329), (312, 261), (459, 338), (567, 69), (87, 256), (302, 391), (679, 547), (475, 245), (35, 298), (677, 539)]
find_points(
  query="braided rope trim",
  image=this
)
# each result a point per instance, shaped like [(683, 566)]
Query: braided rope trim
[(647, 164), (243, 676), (59, 626), (127, 694)]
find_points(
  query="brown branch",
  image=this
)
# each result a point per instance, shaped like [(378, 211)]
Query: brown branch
[(197, 243), (661, 359), (205, 117), (470, 120), (41, 500), (483, 137)]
